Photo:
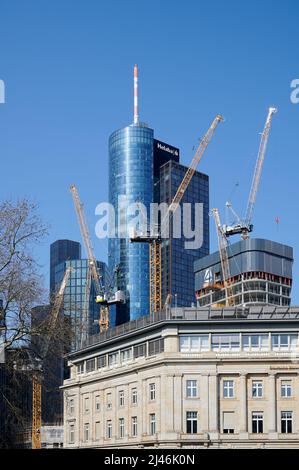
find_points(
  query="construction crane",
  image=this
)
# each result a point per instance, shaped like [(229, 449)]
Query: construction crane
[(223, 245), (245, 226), (102, 296), (92, 264), (155, 254), (37, 373)]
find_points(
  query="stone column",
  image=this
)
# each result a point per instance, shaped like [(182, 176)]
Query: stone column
[(177, 392), (204, 400), (272, 419), (243, 417), (213, 404)]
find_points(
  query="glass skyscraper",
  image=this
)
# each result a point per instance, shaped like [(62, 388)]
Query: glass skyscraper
[(131, 178), (74, 298), (178, 261), (62, 250)]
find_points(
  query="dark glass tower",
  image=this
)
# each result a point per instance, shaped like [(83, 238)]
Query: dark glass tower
[(131, 178), (177, 260), (62, 250)]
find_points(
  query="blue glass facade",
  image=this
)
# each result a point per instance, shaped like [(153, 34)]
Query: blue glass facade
[(131, 177), (74, 296)]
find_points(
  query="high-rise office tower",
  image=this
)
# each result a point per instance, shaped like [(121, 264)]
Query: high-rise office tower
[(83, 318), (177, 259), (135, 162), (62, 250)]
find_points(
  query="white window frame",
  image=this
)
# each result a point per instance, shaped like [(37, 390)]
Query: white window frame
[(191, 388), (97, 403), (257, 416), (152, 424), (192, 417), (134, 426), (109, 429), (286, 385), (109, 401), (121, 398), (71, 433), (86, 432), (260, 346), (152, 391), (287, 418), (134, 396), (121, 428), (258, 386), (228, 389), (192, 349)]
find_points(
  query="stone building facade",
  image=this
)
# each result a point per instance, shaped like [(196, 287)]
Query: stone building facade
[(191, 378)]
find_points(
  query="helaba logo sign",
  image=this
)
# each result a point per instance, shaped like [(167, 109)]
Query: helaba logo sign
[(2, 92), (168, 149)]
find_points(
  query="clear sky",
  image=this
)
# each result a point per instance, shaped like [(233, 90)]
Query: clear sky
[(68, 66)]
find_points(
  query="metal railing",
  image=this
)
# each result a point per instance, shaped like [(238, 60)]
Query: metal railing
[(196, 314)]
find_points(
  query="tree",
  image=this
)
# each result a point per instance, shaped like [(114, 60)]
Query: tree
[(23, 331)]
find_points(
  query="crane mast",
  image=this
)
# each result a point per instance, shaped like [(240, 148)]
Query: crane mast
[(258, 167), (36, 378), (222, 244), (104, 309), (155, 255), (244, 226)]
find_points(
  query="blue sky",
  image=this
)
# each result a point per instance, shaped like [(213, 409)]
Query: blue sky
[(68, 67)]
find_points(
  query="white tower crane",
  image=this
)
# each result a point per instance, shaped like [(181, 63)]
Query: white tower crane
[(244, 226)]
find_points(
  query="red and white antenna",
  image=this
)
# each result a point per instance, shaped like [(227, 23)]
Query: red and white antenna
[(136, 116)]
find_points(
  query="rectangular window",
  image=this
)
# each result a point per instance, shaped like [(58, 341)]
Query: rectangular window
[(109, 429), (134, 396), (152, 424), (191, 388), (121, 398), (97, 430), (97, 403), (156, 346), (228, 425), (71, 434), (229, 342), (286, 388), (72, 406), (139, 350), (255, 342), (101, 362), (257, 422), (86, 432), (126, 355), (286, 422), (191, 422), (228, 389), (134, 426), (80, 368), (257, 389), (194, 343), (86, 404), (121, 427), (113, 359), (109, 401), (152, 391), (284, 342), (90, 365)]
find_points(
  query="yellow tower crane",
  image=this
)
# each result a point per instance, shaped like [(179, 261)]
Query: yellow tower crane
[(156, 241), (223, 244), (37, 375), (100, 297)]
